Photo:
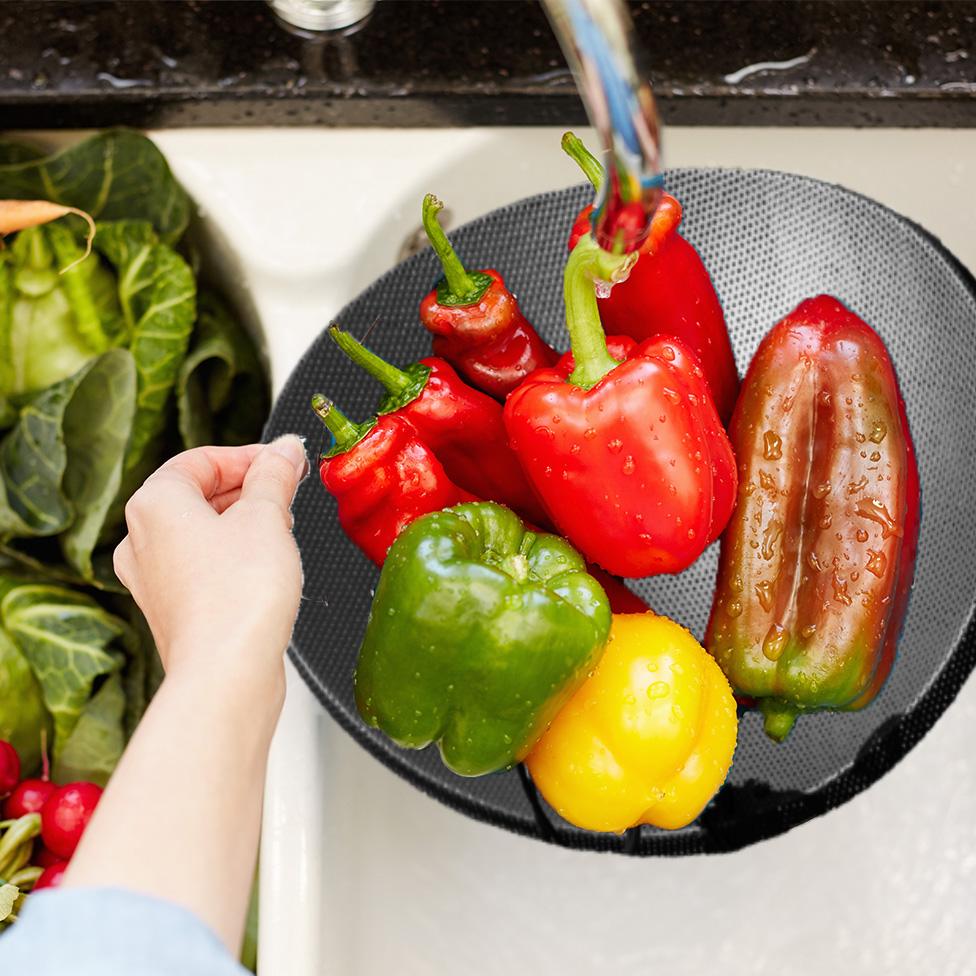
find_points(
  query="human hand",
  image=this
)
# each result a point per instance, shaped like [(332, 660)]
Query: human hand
[(211, 561)]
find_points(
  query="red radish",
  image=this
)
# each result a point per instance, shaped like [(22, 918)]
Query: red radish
[(51, 876), (9, 767), (43, 858), (65, 815), (28, 797)]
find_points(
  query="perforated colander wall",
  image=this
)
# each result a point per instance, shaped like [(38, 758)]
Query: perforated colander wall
[(769, 239)]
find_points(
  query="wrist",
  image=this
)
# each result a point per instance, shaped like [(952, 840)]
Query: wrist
[(255, 694)]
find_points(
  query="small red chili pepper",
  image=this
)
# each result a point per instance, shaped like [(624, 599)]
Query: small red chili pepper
[(630, 459), (461, 425), (476, 322), (669, 291), (382, 476)]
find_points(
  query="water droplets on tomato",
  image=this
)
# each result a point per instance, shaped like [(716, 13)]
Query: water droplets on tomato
[(615, 446), (878, 432)]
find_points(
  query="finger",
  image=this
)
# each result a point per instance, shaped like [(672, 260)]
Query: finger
[(220, 503), (275, 473), (210, 470), (122, 562)]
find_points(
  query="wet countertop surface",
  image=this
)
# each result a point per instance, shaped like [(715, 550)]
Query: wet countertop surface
[(467, 62)]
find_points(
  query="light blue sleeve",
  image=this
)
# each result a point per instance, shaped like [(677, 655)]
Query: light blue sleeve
[(110, 932)]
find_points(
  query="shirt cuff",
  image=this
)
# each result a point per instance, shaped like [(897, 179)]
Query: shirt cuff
[(111, 932)]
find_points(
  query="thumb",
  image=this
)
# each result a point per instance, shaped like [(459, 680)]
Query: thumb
[(275, 473)]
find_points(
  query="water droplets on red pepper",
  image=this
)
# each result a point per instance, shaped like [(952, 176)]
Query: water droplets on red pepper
[(772, 446), (871, 508), (877, 563), (774, 642)]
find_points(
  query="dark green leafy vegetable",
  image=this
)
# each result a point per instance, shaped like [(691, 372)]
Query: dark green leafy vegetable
[(106, 366), (158, 297), (61, 464), (97, 430), (69, 641), (116, 175), (16, 152), (51, 324), (93, 749), (222, 392), (22, 713)]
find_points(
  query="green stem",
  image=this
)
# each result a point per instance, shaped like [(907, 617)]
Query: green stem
[(779, 718), (592, 168), (459, 281), (588, 263), (345, 432), (25, 877), (395, 380)]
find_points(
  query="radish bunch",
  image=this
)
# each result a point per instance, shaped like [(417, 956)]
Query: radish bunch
[(41, 826)]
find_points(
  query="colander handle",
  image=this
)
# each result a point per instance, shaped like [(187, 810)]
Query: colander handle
[(597, 37)]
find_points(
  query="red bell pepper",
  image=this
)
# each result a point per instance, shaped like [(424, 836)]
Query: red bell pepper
[(476, 322), (382, 476), (630, 459), (819, 556), (668, 292), (461, 425)]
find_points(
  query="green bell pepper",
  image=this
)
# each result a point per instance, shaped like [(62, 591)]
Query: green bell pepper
[(480, 631)]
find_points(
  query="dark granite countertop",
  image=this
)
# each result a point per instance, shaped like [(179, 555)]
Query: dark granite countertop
[(466, 62)]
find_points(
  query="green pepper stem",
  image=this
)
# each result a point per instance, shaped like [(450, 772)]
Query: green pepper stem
[(394, 380), (588, 263), (779, 717), (345, 432), (592, 168), (458, 280)]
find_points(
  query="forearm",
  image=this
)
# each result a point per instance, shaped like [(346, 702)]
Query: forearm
[(181, 816)]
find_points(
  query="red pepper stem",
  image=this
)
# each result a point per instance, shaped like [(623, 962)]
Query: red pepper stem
[(345, 432), (592, 168), (458, 279), (395, 380), (588, 263)]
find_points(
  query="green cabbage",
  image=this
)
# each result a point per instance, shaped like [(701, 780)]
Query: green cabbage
[(108, 364)]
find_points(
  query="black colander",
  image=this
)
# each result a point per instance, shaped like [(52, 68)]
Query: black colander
[(769, 240)]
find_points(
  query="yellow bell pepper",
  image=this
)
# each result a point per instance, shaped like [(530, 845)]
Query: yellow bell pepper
[(648, 738)]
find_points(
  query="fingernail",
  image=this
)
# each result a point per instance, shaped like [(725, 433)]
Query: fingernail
[(291, 447)]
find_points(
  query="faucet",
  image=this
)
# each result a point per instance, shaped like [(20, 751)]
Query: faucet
[(597, 37)]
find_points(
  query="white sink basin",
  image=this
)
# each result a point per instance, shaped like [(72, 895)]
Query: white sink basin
[(362, 874)]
